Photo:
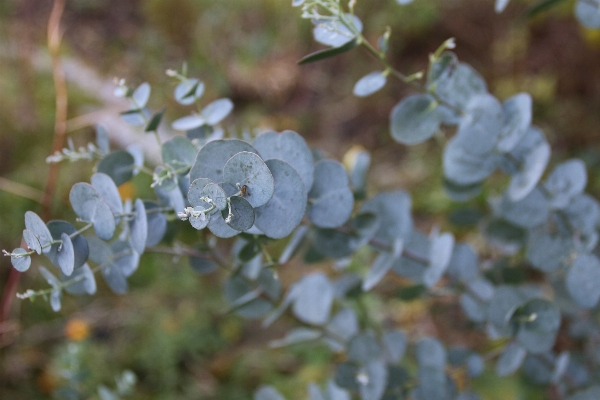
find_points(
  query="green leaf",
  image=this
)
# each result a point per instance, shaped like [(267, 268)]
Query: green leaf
[(330, 200), (540, 6), (155, 120), (510, 360), (369, 84), (20, 262), (90, 207), (141, 95), (314, 300), (290, 147), (286, 208), (243, 214), (267, 393), (588, 13), (582, 280), (249, 170), (323, 54), (119, 165), (32, 241), (35, 225), (415, 119)]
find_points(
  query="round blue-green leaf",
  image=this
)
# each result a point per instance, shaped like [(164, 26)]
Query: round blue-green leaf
[(188, 91), (382, 264), (531, 170), (171, 198), (463, 264), (141, 95), (473, 308), (290, 147), (100, 251), (588, 13), (510, 360), (138, 156), (213, 156), (85, 281), (431, 353), (203, 187), (461, 193), (20, 260), (138, 228), (65, 255), (330, 200), (188, 122), (267, 393), (119, 165), (248, 169), (582, 280), (114, 278), (548, 253), (394, 212), (583, 213), (335, 34), (336, 244), (179, 153), (314, 300), (285, 210), (463, 167), (89, 206), (591, 393), (55, 298), (415, 119), (200, 222), (503, 305), (528, 212), (237, 287), (218, 226), (462, 83), (566, 181), (395, 344), (108, 191), (538, 333), (344, 324), (363, 348), (102, 139), (216, 111), (500, 5), (517, 118), (35, 225), (439, 258), (157, 224), (479, 130), (243, 214), (369, 84), (124, 257), (32, 241), (441, 69), (376, 377), (203, 266)]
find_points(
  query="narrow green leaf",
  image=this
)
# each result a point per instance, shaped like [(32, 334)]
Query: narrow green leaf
[(155, 121), (322, 54)]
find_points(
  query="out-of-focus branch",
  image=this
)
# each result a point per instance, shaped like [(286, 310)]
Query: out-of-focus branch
[(60, 129)]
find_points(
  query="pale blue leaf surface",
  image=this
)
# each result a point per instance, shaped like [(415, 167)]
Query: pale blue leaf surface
[(369, 84)]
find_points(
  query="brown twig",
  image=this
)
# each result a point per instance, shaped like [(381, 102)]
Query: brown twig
[(60, 128)]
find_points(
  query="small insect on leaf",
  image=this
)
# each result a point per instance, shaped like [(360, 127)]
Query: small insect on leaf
[(244, 191)]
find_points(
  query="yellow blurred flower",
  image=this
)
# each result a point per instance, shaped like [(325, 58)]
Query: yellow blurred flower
[(77, 329)]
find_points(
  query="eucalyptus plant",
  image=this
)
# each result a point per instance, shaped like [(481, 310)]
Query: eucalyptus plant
[(272, 187)]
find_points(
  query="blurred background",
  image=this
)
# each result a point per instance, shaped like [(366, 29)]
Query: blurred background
[(173, 330)]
